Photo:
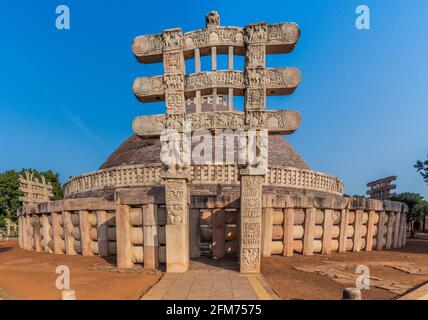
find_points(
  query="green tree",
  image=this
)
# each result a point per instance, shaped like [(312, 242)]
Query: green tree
[(422, 168), (9, 195), (418, 207), (9, 191)]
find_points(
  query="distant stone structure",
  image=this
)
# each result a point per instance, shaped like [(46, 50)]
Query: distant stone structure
[(145, 211), (381, 188), (34, 190)]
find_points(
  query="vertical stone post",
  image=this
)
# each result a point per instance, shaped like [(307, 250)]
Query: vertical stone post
[(390, 230), (343, 235), (251, 218), (370, 230), (85, 237), (20, 228), (397, 229), (267, 225), (68, 237), (56, 233), (252, 176), (195, 233), (123, 237), (288, 232), (175, 173), (102, 229), (37, 226), (309, 232), (46, 237), (380, 230), (357, 230), (198, 101), (219, 234), (177, 228), (230, 67), (327, 231), (151, 236)]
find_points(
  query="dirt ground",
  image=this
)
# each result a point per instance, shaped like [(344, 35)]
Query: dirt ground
[(290, 283), (29, 275)]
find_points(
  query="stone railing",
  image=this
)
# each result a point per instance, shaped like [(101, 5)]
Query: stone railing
[(307, 225), (143, 175), (133, 227)]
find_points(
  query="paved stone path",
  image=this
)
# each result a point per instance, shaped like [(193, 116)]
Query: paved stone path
[(208, 282)]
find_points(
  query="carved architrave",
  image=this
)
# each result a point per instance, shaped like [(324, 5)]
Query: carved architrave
[(147, 45), (283, 33), (215, 79), (278, 122), (153, 88), (279, 38), (146, 87), (282, 78)]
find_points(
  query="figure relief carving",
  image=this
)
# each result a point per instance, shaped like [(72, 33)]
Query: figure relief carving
[(256, 33), (255, 119), (255, 98), (174, 81), (251, 233), (173, 62), (172, 39), (251, 258), (255, 77), (175, 103), (175, 213), (255, 55)]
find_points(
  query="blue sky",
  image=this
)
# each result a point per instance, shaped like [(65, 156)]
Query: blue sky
[(66, 101)]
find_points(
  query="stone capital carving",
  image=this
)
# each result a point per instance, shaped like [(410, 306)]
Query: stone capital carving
[(256, 33), (212, 19), (172, 39)]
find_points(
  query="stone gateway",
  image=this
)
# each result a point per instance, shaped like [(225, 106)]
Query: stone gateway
[(145, 211)]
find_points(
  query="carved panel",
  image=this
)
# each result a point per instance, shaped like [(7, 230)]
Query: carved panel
[(176, 196), (221, 36), (175, 103), (172, 40), (173, 62), (215, 79), (174, 81), (254, 77), (256, 33), (255, 98), (255, 55)]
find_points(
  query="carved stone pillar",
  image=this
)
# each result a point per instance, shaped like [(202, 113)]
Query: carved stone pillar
[(251, 219), (253, 175), (175, 170), (177, 228)]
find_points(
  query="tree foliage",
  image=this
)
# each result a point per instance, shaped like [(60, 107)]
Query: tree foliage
[(418, 207), (422, 168), (9, 191)]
